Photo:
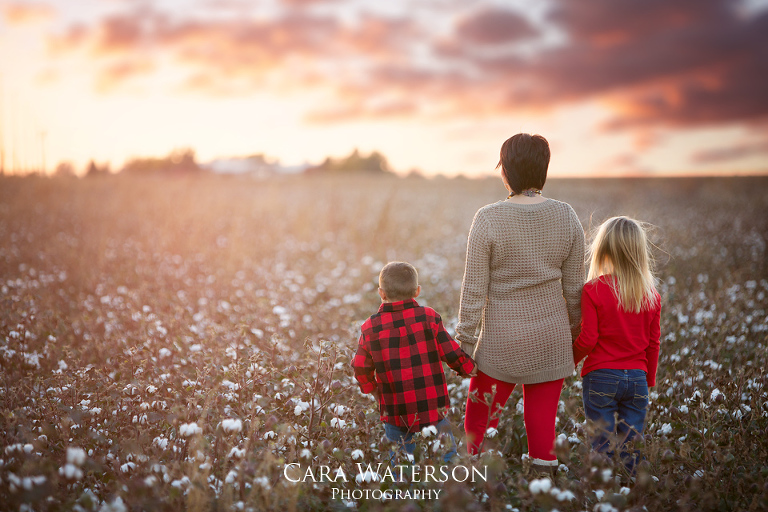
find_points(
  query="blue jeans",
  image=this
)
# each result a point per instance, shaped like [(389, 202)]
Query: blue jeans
[(616, 394), (404, 438)]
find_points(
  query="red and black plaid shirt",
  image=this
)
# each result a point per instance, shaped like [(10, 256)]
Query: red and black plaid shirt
[(400, 352)]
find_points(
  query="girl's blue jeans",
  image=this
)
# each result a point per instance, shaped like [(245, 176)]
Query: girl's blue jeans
[(404, 438), (616, 401)]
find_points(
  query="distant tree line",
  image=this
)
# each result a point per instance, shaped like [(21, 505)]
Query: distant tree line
[(183, 162), (180, 161), (375, 162)]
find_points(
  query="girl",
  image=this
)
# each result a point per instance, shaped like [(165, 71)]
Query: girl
[(620, 310)]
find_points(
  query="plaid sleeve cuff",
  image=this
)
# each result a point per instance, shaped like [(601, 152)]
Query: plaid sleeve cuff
[(467, 366), (366, 386)]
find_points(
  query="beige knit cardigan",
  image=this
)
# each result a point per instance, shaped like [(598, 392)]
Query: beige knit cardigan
[(521, 296)]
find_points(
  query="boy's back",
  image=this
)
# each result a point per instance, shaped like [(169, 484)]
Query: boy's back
[(399, 354)]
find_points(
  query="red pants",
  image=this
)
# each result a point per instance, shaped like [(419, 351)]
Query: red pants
[(540, 402)]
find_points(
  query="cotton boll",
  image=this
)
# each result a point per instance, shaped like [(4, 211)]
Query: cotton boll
[(236, 453), (431, 430), (232, 425), (75, 455), (540, 485), (563, 495), (71, 472), (190, 429), (367, 476)]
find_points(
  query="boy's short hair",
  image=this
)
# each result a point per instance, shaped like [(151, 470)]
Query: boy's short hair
[(399, 280)]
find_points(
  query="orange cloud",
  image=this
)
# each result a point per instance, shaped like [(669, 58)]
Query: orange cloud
[(390, 109), (73, 39), (18, 13), (116, 74)]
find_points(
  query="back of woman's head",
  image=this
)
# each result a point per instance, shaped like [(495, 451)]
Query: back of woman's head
[(524, 160), (621, 249)]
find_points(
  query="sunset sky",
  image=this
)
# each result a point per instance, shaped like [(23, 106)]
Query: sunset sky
[(619, 87)]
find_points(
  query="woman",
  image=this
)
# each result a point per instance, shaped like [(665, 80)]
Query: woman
[(522, 291)]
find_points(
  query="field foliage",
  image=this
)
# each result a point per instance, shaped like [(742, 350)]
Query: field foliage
[(171, 343)]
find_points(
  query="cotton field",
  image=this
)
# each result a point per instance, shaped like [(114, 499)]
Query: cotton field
[(172, 343)]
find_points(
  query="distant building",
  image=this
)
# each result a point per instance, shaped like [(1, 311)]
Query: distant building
[(256, 166)]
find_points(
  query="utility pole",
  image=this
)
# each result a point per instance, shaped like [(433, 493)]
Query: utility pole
[(2, 131), (15, 137), (43, 134)]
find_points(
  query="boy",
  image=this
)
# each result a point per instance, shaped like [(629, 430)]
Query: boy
[(399, 358)]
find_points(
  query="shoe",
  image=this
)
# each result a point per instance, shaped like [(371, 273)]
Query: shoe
[(542, 470)]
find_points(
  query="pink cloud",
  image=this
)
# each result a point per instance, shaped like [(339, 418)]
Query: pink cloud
[(686, 63), (728, 153), (493, 26)]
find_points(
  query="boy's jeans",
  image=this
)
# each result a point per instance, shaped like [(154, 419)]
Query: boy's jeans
[(623, 392), (401, 436)]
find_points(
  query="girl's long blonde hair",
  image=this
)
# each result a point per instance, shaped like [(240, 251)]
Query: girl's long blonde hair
[(621, 249)]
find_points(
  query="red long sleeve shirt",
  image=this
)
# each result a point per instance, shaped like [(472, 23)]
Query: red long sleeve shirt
[(400, 352), (612, 338)]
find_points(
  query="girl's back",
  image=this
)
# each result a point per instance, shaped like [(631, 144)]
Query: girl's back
[(613, 337)]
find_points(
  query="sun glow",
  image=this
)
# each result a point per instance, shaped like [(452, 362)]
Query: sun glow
[(107, 82)]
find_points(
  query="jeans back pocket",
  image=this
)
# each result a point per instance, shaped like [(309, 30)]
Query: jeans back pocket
[(602, 393), (640, 400)]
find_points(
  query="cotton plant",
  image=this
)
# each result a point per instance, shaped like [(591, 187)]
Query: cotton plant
[(183, 345)]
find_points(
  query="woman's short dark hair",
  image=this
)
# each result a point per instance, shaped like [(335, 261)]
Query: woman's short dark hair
[(524, 160)]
